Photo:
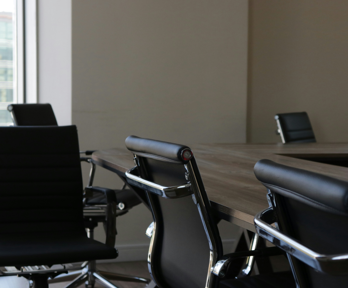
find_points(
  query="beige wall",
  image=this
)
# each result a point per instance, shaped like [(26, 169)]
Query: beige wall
[(170, 70), (54, 57), (174, 70), (298, 62)]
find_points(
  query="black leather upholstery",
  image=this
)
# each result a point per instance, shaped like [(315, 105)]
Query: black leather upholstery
[(156, 149), (41, 217), (296, 127), (312, 209), (32, 114)]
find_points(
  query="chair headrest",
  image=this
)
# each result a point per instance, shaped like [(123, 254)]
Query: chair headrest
[(307, 187), (32, 114), (294, 121), (160, 150)]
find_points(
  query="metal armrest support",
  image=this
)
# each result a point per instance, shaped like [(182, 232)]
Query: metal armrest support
[(163, 191), (110, 217), (330, 264), (221, 266)]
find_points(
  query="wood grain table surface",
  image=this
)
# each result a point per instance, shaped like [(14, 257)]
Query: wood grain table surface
[(227, 171)]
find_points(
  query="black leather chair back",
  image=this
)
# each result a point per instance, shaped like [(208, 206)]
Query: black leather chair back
[(186, 240), (41, 209), (32, 115), (40, 182), (295, 127), (312, 209)]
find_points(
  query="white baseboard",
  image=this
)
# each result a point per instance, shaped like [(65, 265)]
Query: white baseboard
[(138, 252)]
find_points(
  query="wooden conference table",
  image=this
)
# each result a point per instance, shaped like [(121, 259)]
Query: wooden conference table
[(227, 171)]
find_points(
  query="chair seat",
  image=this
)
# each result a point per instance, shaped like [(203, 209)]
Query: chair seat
[(51, 249), (125, 196), (274, 280)]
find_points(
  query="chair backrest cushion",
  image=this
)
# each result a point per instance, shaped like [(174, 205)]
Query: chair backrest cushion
[(313, 209), (32, 115), (40, 182), (296, 127)]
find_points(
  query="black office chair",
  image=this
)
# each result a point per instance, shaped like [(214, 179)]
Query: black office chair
[(41, 221), (43, 115), (94, 201), (32, 114), (310, 213), (185, 248), (294, 128)]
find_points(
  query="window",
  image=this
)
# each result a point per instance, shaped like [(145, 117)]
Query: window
[(11, 37)]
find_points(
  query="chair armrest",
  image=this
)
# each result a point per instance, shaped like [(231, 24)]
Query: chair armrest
[(166, 192), (221, 266), (110, 217)]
